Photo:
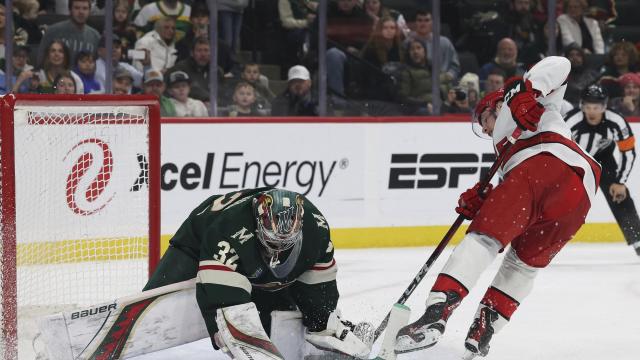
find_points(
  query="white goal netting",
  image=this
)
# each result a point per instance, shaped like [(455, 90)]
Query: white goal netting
[(81, 209)]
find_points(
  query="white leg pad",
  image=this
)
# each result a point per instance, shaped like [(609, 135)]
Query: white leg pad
[(471, 257), (515, 278), (287, 334), (241, 332), (170, 318)]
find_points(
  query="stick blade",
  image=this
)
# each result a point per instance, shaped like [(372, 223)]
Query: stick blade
[(398, 318)]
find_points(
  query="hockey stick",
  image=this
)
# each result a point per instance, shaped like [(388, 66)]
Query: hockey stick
[(484, 182)]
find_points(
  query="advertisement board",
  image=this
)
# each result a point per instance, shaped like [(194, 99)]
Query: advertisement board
[(77, 179), (380, 183)]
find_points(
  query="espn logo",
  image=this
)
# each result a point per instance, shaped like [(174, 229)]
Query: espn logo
[(433, 171)]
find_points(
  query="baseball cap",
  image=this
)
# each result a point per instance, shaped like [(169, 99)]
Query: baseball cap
[(633, 78), (121, 72), (298, 72), (153, 75), (178, 76)]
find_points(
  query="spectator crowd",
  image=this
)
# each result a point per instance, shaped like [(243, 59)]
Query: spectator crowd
[(379, 56)]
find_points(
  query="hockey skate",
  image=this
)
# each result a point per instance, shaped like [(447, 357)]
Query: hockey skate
[(427, 330), (636, 247), (480, 333)]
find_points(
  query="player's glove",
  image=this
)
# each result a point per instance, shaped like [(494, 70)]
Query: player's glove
[(471, 201), (521, 98), (342, 337)]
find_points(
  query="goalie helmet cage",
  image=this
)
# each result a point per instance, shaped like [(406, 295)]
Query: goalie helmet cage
[(80, 201)]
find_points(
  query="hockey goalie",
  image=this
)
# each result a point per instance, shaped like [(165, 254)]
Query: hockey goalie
[(548, 185), (249, 253)]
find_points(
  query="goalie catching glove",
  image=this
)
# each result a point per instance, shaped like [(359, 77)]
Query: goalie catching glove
[(343, 337), (521, 98)]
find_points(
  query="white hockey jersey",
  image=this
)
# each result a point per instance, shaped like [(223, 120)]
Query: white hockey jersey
[(553, 135)]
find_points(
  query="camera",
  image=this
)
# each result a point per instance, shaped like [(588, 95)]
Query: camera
[(136, 54), (461, 94)]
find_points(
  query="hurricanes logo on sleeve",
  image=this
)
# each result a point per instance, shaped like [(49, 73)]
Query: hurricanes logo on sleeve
[(87, 183)]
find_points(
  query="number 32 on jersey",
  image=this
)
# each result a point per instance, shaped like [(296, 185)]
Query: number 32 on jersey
[(226, 255)]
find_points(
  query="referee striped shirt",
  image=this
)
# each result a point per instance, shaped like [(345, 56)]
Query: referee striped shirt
[(600, 140)]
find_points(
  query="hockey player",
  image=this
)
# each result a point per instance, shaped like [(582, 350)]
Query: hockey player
[(252, 252), (599, 130), (548, 183)]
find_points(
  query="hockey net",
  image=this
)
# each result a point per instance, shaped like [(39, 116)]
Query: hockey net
[(80, 220)]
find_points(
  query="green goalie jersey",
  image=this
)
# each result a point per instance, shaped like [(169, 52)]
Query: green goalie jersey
[(221, 232)]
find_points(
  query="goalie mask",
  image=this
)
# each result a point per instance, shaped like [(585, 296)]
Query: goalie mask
[(487, 107), (279, 228)]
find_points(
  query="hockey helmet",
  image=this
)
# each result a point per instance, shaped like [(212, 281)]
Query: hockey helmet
[(594, 94), (279, 216), (489, 102)]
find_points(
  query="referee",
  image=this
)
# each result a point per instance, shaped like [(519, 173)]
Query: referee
[(598, 130)]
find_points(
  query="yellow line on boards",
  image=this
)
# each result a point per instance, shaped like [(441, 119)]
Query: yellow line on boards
[(406, 236), (74, 251), (431, 235)]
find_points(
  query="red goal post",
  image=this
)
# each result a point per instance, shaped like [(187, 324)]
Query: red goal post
[(80, 201)]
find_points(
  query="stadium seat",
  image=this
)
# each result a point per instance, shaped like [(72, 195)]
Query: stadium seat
[(627, 12), (468, 62), (33, 55), (278, 86), (627, 33), (595, 61), (48, 19), (270, 71), (96, 22)]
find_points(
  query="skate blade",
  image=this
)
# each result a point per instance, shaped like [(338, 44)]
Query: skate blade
[(469, 355), (433, 339), (329, 357), (415, 349)]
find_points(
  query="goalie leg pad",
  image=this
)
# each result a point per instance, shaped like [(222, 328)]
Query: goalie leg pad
[(287, 333), (241, 332)]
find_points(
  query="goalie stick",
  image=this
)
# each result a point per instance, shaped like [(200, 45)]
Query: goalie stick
[(447, 237), (398, 317)]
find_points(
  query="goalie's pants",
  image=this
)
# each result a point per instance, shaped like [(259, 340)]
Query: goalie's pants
[(177, 265)]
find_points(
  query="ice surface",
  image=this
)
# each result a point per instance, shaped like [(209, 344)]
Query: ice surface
[(584, 306)]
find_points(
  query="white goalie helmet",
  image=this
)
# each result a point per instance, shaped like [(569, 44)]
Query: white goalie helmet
[(279, 216)]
